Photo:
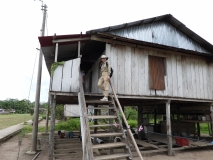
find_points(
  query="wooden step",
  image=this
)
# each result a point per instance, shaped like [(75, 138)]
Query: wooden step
[(102, 125), (102, 108), (111, 156), (102, 117), (67, 150), (109, 145), (98, 102), (67, 155), (106, 134)]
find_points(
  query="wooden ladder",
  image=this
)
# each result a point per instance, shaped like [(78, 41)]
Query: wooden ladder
[(112, 130)]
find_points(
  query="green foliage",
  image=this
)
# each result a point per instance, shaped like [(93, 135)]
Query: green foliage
[(59, 111), (20, 106), (69, 125), (133, 123), (54, 66), (43, 116), (29, 129), (131, 113)]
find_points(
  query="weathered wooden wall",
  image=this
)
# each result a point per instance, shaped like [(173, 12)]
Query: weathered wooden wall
[(186, 76), (71, 110), (66, 77)]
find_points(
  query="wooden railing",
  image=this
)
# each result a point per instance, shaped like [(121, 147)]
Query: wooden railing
[(125, 121), (85, 131)]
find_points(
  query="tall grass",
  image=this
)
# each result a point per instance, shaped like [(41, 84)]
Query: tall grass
[(13, 119)]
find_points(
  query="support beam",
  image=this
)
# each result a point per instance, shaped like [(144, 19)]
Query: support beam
[(71, 40), (178, 120), (79, 48), (168, 126), (56, 52), (140, 120), (198, 130), (155, 117), (52, 128), (95, 123), (47, 115), (123, 124), (211, 114)]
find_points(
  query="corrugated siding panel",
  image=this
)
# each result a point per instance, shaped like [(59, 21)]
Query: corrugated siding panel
[(160, 33)]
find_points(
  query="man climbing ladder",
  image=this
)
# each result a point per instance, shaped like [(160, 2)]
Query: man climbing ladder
[(103, 82)]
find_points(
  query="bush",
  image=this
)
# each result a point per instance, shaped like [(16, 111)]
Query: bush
[(59, 112), (133, 123), (69, 125)]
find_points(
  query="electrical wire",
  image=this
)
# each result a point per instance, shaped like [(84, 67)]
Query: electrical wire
[(20, 141)]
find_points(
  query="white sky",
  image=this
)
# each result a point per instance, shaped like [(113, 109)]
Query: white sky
[(21, 24)]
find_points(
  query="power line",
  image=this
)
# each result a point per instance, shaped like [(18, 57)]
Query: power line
[(20, 141)]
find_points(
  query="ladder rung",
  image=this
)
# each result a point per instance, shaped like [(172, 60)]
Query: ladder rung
[(114, 134), (102, 125), (112, 156), (109, 145), (102, 117), (98, 102), (102, 108)]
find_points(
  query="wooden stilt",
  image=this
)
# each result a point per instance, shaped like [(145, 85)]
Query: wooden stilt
[(211, 114), (95, 123), (178, 120), (198, 130), (168, 126), (47, 115), (155, 119), (140, 119), (52, 128)]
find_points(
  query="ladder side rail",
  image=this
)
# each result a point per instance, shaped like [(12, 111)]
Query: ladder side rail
[(125, 121), (87, 145), (120, 123)]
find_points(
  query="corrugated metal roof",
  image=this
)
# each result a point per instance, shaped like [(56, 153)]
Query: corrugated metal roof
[(189, 37)]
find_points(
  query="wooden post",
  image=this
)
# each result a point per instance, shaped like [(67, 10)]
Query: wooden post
[(95, 122), (168, 126), (140, 119), (52, 128), (178, 120), (123, 124), (198, 130), (155, 119), (56, 52), (47, 115), (211, 114), (79, 48)]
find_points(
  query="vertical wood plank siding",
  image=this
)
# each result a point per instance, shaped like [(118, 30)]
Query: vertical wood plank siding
[(185, 76), (66, 77)]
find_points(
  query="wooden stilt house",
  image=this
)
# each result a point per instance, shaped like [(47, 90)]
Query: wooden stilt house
[(160, 66)]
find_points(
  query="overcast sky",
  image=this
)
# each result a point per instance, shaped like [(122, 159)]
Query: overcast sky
[(21, 24)]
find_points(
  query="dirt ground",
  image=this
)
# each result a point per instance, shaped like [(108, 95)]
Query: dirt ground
[(9, 150)]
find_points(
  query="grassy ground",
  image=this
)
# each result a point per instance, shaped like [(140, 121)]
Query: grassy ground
[(13, 119)]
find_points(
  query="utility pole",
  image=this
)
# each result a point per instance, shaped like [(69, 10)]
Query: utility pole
[(33, 149)]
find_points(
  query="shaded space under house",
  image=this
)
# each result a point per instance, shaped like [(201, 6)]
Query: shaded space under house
[(160, 66)]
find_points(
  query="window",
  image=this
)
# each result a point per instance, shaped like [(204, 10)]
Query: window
[(157, 71)]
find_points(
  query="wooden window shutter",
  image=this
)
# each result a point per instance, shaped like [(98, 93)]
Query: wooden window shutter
[(156, 72)]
